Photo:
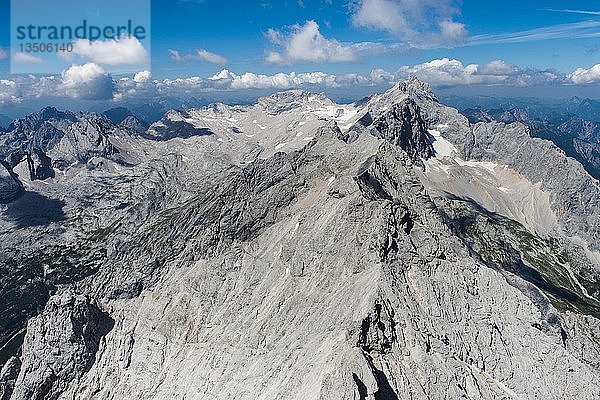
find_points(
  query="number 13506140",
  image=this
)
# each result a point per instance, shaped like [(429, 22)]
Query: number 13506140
[(32, 47)]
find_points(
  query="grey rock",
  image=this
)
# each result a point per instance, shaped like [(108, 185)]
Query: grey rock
[(575, 194), (40, 165), (8, 376), (173, 125), (134, 124), (287, 101), (403, 126), (60, 346), (10, 187), (298, 251)]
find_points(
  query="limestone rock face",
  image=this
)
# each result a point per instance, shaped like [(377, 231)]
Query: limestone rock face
[(134, 124), (40, 166), (575, 194), (8, 376), (403, 126), (10, 187), (51, 141), (60, 346), (308, 250)]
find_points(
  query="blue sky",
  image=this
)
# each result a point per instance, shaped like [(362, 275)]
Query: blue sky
[(202, 46), (236, 30)]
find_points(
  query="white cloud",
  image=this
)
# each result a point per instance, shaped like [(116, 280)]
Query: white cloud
[(249, 80), (3, 54), (26, 58), (422, 23), (88, 82), (498, 68), (8, 92), (443, 72), (306, 44), (274, 36), (201, 55), (381, 15), (142, 77), (211, 57), (446, 73), (112, 52), (584, 76), (452, 32), (91, 82)]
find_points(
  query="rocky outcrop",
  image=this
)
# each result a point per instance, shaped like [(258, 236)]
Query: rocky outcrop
[(286, 101), (40, 165), (8, 377), (52, 140), (134, 124), (403, 126), (60, 346), (10, 187), (174, 125)]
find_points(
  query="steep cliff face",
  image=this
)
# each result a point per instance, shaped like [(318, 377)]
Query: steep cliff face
[(314, 251), (403, 126), (10, 186)]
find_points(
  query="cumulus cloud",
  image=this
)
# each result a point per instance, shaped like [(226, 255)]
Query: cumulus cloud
[(306, 44), (423, 23), (25, 58), (249, 80), (111, 52), (381, 15), (497, 67), (200, 55), (88, 82), (443, 72), (142, 77), (585, 76)]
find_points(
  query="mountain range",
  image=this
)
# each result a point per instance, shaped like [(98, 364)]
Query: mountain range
[(297, 248)]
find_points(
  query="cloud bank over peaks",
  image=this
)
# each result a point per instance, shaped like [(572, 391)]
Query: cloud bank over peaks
[(585, 76), (142, 76), (92, 82)]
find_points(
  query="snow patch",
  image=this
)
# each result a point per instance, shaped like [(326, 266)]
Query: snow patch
[(442, 147)]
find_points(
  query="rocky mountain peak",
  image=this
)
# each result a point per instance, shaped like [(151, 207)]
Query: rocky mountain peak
[(291, 99), (36, 120), (416, 89), (134, 124), (402, 125)]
